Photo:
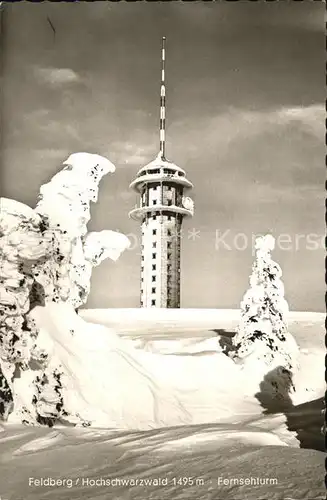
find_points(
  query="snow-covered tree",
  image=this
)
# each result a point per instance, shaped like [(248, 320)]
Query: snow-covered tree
[(262, 333), (46, 255)]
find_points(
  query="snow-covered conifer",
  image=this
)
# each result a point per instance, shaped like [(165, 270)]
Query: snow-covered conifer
[(262, 333)]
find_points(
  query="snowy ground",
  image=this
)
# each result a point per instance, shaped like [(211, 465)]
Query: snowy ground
[(201, 439)]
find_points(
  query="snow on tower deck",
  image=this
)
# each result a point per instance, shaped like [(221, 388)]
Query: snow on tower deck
[(161, 210), (160, 169)]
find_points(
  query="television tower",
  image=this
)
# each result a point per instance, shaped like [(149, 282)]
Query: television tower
[(161, 209)]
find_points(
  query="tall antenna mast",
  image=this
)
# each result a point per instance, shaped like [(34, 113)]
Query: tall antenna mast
[(163, 102)]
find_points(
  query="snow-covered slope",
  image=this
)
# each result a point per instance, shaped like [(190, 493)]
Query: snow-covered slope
[(147, 321), (184, 463), (228, 438)]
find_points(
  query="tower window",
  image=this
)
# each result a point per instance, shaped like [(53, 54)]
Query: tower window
[(154, 255), (169, 267), (142, 257), (154, 267), (169, 256), (154, 202), (169, 232), (154, 217), (153, 290), (154, 244), (170, 202), (169, 217), (168, 244), (153, 278), (153, 302), (154, 231)]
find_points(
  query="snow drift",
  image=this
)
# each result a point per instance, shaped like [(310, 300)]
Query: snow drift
[(243, 443)]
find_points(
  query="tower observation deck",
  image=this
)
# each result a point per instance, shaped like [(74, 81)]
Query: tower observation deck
[(162, 207)]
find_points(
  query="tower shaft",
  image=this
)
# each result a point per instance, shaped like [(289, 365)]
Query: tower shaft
[(161, 249)]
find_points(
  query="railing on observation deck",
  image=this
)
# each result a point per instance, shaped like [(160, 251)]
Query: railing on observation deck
[(156, 208)]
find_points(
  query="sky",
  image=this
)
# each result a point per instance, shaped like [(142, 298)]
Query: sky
[(245, 120)]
